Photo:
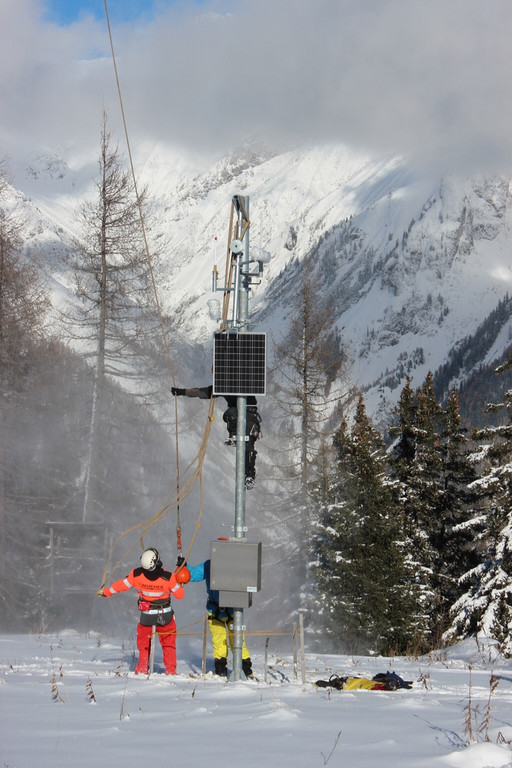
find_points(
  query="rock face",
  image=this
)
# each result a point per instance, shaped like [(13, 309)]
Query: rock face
[(413, 266)]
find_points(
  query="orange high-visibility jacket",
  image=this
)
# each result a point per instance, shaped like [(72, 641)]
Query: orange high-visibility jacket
[(155, 590)]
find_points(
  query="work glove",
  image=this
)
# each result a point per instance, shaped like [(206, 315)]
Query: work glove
[(100, 592), (180, 561), (176, 391)]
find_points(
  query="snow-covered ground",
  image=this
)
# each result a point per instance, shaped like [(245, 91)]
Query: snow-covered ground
[(73, 700)]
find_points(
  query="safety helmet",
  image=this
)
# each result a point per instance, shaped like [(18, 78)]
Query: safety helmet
[(150, 559)]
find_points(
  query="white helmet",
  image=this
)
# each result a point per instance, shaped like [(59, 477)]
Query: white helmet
[(150, 559)]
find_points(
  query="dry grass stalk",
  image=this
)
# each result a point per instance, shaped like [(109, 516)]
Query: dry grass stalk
[(89, 691)]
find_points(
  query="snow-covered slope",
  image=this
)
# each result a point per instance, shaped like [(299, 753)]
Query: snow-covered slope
[(71, 699), (413, 264)]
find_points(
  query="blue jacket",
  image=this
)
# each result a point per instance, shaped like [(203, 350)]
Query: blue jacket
[(201, 572)]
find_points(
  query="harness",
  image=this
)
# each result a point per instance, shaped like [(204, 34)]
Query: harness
[(157, 612)]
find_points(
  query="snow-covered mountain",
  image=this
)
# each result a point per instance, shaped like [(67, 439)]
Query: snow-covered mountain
[(413, 265)]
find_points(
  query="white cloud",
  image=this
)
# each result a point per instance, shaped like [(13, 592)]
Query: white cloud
[(429, 79)]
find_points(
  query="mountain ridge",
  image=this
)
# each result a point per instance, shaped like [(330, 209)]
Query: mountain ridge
[(413, 265)]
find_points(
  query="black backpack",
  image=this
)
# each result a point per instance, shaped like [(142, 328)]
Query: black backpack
[(388, 681), (392, 681)]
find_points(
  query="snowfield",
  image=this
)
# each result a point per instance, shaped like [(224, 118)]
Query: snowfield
[(73, 700)]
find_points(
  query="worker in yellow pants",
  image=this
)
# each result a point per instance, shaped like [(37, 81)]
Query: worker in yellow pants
[(219, 621), (222, 634)]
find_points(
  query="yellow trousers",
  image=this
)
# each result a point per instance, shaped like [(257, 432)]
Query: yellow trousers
[(221, 635)]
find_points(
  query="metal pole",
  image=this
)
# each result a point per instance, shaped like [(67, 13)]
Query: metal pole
[(302, 653), (241, 404), (236, 289)]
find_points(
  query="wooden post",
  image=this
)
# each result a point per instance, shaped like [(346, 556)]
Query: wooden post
[(301, 631), (267, 640), (52, 556), (294, 626), (152, 649), (205, 628)]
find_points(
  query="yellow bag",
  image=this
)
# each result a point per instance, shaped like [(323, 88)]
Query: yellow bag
[(351, 683)]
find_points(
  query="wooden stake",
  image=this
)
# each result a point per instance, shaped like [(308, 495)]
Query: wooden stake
[(205, 627), (152, 649), (294, 626), (301, 631)]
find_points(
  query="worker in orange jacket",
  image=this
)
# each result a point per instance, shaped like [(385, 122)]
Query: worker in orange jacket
[(155, 586)]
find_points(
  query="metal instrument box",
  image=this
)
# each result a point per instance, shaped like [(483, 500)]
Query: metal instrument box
[(235, 571)]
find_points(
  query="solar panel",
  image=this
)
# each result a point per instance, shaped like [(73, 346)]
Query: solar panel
[(239, 364)]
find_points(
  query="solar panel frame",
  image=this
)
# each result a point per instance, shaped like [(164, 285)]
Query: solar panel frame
[(239, 364)]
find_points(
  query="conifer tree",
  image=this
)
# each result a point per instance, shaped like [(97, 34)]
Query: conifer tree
[(311, 389), (367, 602), (486, 604), (24, 299), (413, 436), (114, 319), (404, 432), (312, 364), (24, 303), (430, 461), (450, 536)]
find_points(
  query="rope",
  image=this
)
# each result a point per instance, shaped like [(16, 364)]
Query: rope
[(237, 229), (168, 505), (284, 632), (181, 493)]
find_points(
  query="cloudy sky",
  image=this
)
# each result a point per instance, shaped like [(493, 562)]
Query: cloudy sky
[(432, 80)]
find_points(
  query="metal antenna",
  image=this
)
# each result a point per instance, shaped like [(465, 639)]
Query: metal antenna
[(241, 404)]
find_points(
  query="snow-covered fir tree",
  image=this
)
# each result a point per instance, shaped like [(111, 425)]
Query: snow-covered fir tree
[(430, 462), (486, 605), (412, 460), (451, 540), (367, 599)]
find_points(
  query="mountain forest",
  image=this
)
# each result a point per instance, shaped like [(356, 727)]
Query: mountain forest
[(395, 540)]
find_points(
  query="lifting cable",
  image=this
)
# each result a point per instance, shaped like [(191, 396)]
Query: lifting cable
[(169, 504), (181, 493), (237, 228)]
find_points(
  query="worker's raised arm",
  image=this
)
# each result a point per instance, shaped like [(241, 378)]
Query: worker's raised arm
[(204, 393)]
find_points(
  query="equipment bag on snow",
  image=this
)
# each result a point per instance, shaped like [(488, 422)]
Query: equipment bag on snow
[(392, 681), (388, 681)]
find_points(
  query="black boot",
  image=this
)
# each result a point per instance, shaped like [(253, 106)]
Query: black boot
[(247, 668), (221, 667)]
